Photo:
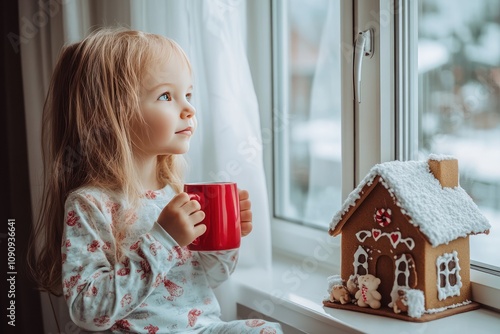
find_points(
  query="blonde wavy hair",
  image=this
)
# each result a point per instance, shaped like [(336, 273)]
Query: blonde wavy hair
[(87, 138)]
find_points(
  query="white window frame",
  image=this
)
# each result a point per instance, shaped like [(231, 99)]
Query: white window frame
[(284, 233), (378, 119)]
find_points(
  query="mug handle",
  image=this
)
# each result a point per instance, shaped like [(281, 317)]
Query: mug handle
[(194, 197)]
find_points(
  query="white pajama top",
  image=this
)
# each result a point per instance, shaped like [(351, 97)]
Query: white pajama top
[(156, 286)]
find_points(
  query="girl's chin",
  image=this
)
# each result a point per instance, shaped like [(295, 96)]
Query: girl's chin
[(178, 150)]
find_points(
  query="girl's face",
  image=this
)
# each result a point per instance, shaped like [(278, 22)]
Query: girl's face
[(165, 106)]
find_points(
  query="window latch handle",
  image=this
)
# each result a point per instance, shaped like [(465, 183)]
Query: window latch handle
[(362, 48)]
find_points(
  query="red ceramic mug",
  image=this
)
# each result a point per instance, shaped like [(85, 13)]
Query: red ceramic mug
[(221, 204)]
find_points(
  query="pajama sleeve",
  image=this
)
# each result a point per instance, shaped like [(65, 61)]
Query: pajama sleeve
[(99, 288), (218, 265)]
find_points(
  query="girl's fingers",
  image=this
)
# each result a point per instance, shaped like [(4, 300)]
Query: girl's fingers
[(243, 194), (199, 230), (245, 205), (191, 207), (246, 228), (179, 200), (246, 216), (197, 216)]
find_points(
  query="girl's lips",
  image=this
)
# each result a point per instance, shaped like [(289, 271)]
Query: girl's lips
[(187, 131)]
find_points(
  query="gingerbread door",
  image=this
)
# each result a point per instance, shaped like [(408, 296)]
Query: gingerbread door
[(385, 271)]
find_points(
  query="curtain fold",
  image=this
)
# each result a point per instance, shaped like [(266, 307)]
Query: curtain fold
[(227, 145)]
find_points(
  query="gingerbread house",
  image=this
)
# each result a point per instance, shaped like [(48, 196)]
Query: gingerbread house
[(408, 225)]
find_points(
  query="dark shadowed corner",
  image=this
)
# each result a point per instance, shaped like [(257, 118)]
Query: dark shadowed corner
[(15, 187)]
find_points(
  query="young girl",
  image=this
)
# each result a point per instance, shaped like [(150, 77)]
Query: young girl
[(116, 121)]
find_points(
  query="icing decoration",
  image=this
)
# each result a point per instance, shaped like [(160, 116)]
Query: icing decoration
[(441, 309), (376, 233), (362, 235), (383, 217), (449, 281), (394, 237), (409, 243), (334, 280), (360, 262)]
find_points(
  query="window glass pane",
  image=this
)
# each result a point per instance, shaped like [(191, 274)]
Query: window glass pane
[(308, 180), (459, 101)]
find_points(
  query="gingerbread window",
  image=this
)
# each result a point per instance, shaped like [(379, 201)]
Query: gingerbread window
[(360, 262), (449, 281), (405, 275)]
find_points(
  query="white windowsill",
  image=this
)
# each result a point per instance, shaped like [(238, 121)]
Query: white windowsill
[(293, 294)]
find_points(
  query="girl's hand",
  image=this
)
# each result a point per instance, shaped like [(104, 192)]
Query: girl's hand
[(245, 212), (181, 219)]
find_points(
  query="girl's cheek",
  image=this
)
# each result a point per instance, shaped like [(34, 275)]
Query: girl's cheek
[(162, 127)]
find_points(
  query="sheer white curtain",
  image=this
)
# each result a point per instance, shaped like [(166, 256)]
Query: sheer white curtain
[(227, 145)]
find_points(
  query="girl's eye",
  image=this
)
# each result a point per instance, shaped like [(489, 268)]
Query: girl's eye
[(165, 97), (188, 97)]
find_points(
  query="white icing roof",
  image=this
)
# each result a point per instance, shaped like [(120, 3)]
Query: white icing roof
[(441, 214)]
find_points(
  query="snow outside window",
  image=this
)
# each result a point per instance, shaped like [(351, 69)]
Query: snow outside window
[(308, 161), (459, 103)]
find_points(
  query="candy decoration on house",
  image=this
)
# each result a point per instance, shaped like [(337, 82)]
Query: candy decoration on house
[(383, 217), (406, 226)]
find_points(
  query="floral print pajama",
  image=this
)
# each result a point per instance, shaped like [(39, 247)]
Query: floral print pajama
[(156, 286)]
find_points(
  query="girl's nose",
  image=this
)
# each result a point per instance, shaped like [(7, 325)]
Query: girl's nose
[(188, 111)]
